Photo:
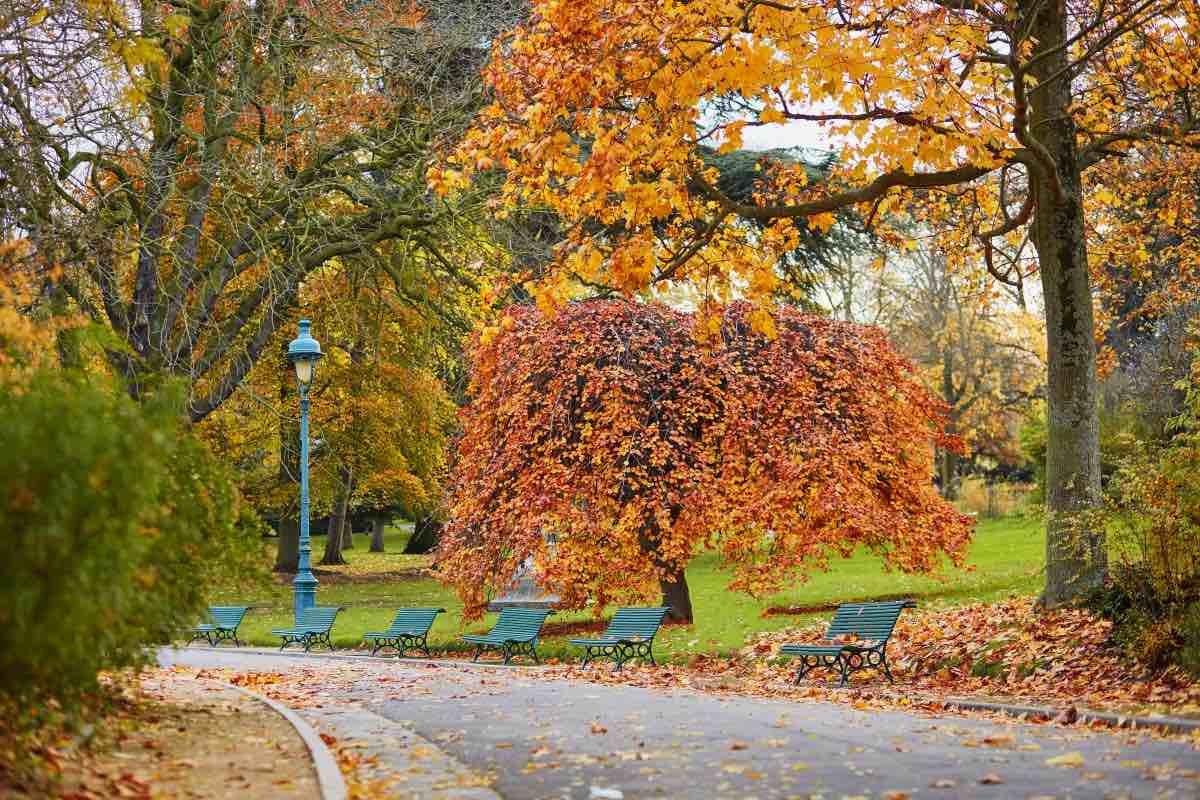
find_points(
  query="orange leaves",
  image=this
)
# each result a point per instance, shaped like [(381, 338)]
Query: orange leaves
[(1012, 650), (612, 426)]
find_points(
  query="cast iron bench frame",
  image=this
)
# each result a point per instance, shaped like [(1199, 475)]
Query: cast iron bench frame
[(515, 633), (630, 634), (315, 626), (224, 625), (409, 630), (873, 622)]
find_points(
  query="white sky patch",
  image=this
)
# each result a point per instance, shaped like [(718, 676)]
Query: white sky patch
[(786, 134)]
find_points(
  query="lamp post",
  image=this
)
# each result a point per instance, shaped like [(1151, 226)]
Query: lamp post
[(304, 352)]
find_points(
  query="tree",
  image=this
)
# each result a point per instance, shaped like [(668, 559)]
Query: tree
[(612, 427), (995, 112), (185, 168), (976, 348)]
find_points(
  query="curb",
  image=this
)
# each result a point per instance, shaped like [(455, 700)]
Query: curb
[(330, 781), (1165, 724), (346, 656)]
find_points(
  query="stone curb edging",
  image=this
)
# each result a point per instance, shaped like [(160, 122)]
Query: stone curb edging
[(330, 781), (1166, 724), (351, 656)]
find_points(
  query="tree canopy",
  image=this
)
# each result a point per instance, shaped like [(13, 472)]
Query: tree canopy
[(612, 426), (1002, 119)]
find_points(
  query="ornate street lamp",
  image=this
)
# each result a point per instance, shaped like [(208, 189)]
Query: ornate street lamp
[(304, 352)]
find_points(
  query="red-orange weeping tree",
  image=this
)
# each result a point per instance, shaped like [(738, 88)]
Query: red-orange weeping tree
[(637, 443)]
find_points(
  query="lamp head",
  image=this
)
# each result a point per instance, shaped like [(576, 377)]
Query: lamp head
[(304, 352)]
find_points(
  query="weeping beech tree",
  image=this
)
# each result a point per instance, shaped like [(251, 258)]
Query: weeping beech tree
[(637, 443)]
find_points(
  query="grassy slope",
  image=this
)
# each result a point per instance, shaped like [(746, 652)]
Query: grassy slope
[(1006, 558)]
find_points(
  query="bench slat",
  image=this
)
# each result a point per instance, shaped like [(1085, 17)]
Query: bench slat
[(873, 622)]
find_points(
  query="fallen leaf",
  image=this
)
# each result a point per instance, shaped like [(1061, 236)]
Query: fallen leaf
[(1072, 760), (991, 779), (598, 728), (943, 783)]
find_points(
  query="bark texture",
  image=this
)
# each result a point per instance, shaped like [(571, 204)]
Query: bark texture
[(1075, 548)]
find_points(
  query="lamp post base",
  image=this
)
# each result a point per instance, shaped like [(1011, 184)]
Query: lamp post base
[(304, 593)]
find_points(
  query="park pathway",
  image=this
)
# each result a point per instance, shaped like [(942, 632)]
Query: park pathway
[(552, 738)]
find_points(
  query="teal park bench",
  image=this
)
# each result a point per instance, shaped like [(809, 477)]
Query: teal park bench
[(408, 630), (516, 633), (315, 625), (870, 623), (222, 625), (630, 635)]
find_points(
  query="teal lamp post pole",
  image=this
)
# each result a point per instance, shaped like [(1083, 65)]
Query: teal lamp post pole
[(304, 352)]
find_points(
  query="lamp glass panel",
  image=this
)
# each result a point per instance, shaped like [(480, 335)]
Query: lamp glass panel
[(304, 369)]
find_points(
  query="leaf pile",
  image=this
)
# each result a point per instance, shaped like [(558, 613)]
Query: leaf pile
[(1010, 650), (1005, 651)]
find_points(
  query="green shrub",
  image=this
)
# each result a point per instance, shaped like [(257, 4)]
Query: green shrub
[(117, 521), (1152, 515)]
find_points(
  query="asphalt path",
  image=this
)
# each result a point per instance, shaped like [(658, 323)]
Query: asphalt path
[(554, 738)]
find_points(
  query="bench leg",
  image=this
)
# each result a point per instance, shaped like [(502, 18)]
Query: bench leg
[(425, 646), (884, 665), (478, 650), (805, 667)]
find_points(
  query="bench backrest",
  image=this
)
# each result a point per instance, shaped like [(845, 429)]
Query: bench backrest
[(416, 621), (636, 623), (520, 624), (318, 619), (227, 616), (873, 621)]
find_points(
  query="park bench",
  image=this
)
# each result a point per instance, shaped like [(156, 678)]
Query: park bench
[(222, 625), (409, 629), (315, 625), (858, 635), (516, 633), (630, 634)]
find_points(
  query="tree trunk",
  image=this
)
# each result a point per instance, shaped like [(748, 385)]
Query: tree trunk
[(287, 553), (1076, 559), (334, 537), (947, 464), (347, 523), (947, 459), (378, 523), (426, 531), (676, 595)]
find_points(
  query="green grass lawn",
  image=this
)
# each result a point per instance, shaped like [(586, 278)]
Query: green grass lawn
[(1006, 558)]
